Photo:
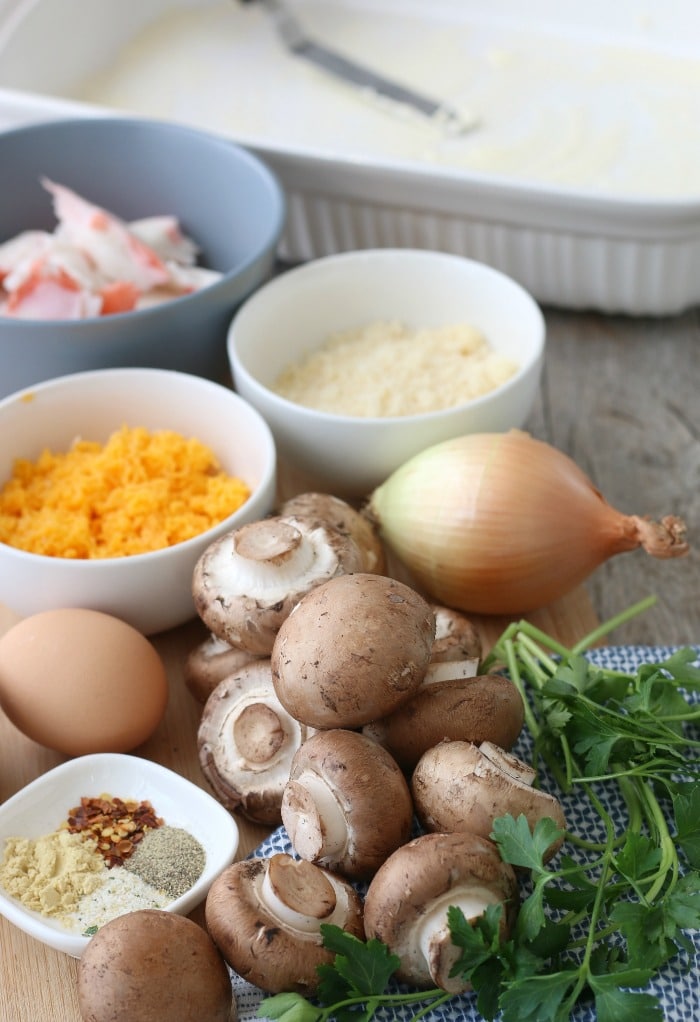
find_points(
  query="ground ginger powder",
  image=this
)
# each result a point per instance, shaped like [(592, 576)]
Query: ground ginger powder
[(140, 491), (51, 873)]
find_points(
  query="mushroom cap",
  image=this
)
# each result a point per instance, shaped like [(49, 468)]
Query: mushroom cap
[(246, 582), (352, 650), (487, 707), (459, 786), (265, 915), (246, 742), (210, 662), (407, 900), (346, 805), (456, 636), (150, 965), (324, 507)]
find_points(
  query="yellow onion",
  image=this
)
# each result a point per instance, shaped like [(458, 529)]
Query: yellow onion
[(501, 523)]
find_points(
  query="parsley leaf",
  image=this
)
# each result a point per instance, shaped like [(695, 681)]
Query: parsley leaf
[(686, 810), (614, 1003), (538, 997), (519, 845), (638, 857), (366, 966)]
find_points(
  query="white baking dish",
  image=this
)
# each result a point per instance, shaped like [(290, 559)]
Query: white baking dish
[(581, 181)]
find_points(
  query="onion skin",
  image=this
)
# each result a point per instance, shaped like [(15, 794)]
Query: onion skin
[(501, 523)]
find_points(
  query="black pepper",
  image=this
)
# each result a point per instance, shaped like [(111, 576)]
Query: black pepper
[(169, 859)]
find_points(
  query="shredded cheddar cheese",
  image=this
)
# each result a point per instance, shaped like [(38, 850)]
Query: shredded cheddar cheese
[(138, 492)]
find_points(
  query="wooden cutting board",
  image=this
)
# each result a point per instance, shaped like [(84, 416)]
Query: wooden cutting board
[(38, 984)]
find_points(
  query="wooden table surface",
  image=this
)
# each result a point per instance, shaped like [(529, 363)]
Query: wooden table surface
[(619, 395)]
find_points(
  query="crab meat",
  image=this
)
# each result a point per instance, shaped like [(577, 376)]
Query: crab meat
[(94, 264)]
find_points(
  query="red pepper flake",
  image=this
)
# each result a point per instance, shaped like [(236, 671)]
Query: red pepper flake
[(115, 825)]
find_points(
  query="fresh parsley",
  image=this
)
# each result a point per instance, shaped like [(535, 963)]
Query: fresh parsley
[(598, 921)]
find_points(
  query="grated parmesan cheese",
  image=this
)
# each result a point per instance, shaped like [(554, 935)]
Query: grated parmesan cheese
[(385, 369), (138, 492)]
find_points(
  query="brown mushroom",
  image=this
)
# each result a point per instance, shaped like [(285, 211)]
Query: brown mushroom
[(460, 786), (407, 901), (484, 708), (456, 636), (149, 965), (245, 583), (246, 741), (210, 662), (352, 650), (323, 507), (346, 805), (265, 916)]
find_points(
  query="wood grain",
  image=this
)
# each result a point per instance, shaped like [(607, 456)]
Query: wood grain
[(621, 397)]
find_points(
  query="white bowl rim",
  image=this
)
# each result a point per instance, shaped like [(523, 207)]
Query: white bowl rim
[(79, 564), (287, 279)]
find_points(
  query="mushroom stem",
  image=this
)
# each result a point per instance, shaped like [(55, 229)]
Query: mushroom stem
[(246, 583), (317, 822), (271, 554), (265, 915), (337, 513), (449, 670), (259, 734), (407, 902), (434, 937), (297, 894), (346, 805), (508, 764), (246, 742)]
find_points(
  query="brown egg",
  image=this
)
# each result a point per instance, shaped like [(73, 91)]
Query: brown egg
[(80, 681)]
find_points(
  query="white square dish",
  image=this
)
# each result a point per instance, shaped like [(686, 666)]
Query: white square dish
[(580, 180), (41, 806)]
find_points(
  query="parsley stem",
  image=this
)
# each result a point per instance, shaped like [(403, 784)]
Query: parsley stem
[(432, 1006), (631, 798), (515, 677), (669, 856), (653, 770), (597, 909), (434, 997), (611, 624), (589, 846)]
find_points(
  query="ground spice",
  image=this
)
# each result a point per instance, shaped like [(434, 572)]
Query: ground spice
[(115, 825), (119, 892), (51, 874), (169, 859), (69, 873)]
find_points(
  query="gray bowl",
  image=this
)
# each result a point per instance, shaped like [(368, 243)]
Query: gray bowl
[(225, 198)]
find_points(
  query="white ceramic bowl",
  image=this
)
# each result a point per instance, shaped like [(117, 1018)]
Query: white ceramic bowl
[(225, 198), (296, 312), (41, 807), (150, 591)]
